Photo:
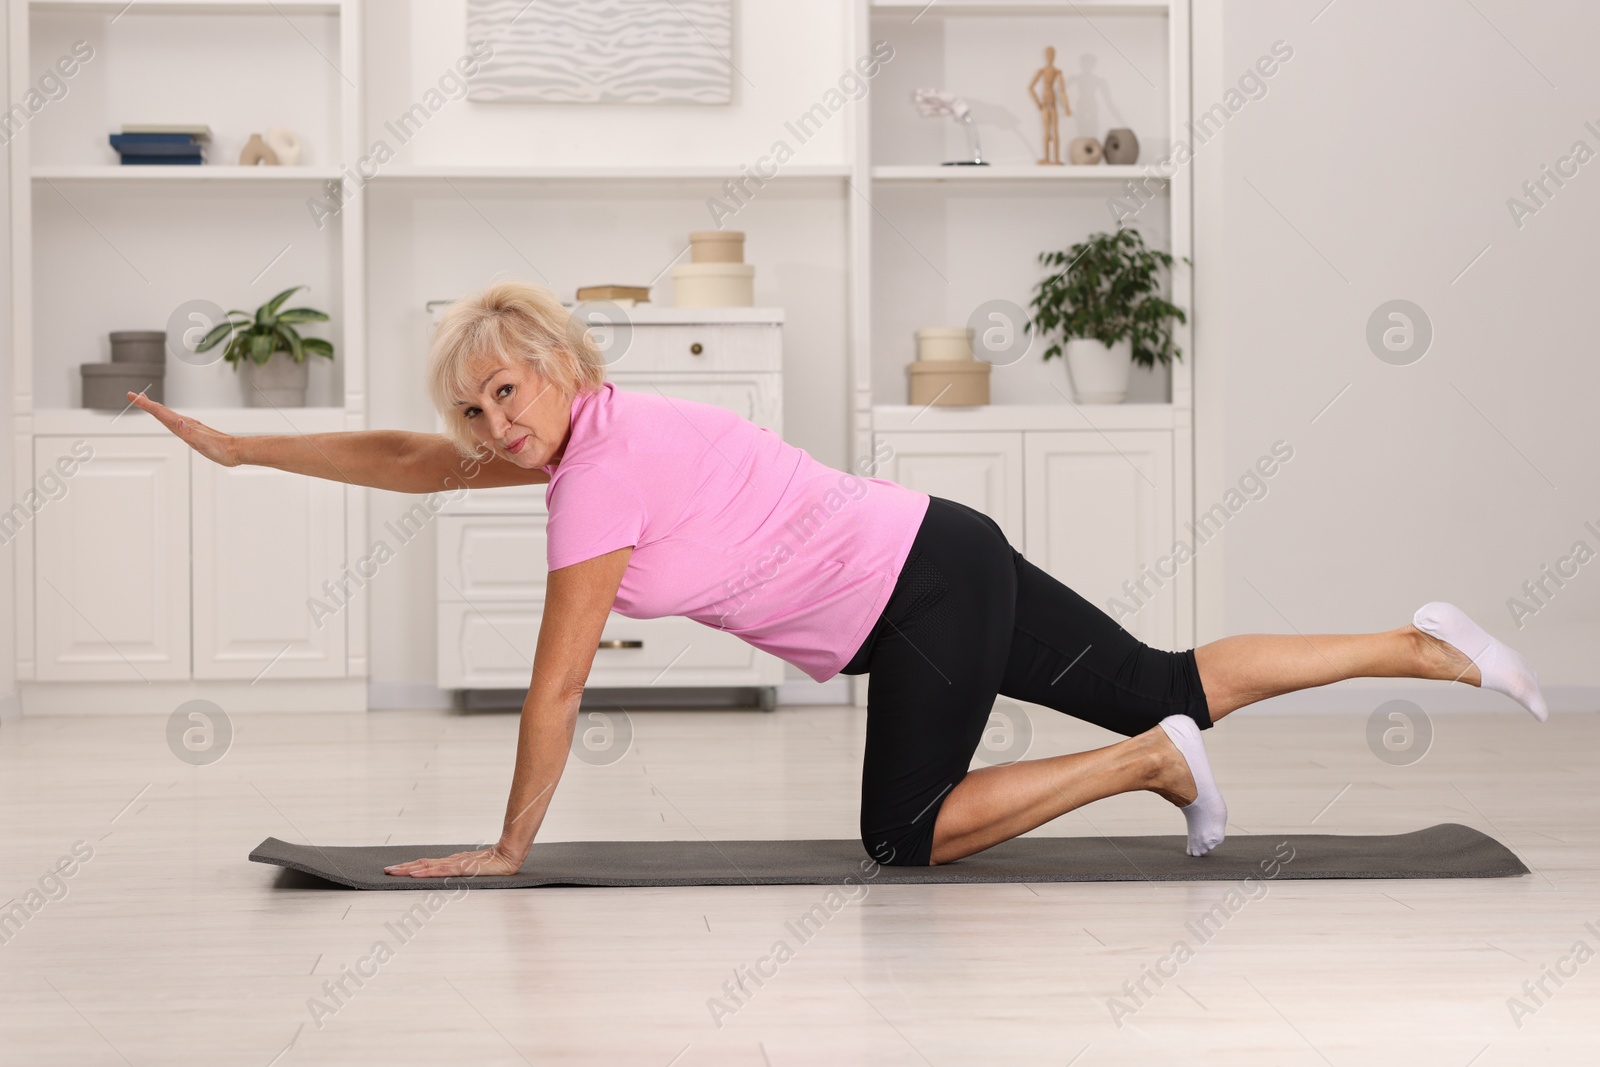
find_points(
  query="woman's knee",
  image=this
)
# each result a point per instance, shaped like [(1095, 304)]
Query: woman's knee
[(1169, 682), (894, 850)]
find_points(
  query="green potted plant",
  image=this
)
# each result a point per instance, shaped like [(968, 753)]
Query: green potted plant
[(1101, 303), (270, 349)]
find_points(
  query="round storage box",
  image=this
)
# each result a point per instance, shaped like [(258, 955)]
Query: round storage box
[(106, 385), (716, 246), (714, 285), (138, 346), (949, 382), (944, 342)]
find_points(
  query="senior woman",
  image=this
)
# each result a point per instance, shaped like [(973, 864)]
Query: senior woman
[(665, 507)]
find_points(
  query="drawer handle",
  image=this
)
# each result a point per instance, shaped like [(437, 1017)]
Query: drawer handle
[(696, 348), (618, 643)]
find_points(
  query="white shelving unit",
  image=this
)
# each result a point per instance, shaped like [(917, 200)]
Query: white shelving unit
[(404, 172), (117, 173), (919, 231), (919, 9), (1014, 173), (97, 247), (913, 232)]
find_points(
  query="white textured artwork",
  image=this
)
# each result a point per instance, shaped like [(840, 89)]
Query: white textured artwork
[(604, 51)]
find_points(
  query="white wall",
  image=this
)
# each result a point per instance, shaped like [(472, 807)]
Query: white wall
[(1377, 167), (435, 240)]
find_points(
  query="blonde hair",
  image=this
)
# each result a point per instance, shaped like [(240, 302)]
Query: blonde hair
[(515, 323)]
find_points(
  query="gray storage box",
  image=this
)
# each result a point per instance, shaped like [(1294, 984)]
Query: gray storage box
[(138, 346), (105, 384)]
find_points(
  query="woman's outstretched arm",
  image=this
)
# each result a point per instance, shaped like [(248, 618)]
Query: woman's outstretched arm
[(397, 460)]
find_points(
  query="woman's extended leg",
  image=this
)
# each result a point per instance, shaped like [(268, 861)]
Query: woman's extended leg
[(1236, 671)]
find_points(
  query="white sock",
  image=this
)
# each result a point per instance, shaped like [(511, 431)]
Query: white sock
[(1503, 670), (1207, 815)]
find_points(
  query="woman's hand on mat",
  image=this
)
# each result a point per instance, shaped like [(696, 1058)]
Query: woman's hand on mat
[(483, 861), (213, 444)]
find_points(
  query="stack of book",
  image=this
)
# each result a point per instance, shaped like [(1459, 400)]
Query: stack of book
[(621, 295), (158, 145)]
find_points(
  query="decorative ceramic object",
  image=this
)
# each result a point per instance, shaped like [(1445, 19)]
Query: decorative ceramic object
[(713, 285), (1047, 87), (256, 152), (1099, 372), (716, 246), (279, 382), (285, 145), (1122, 147), (1084, 151), (949, 382), (944, 342), (933, 102)]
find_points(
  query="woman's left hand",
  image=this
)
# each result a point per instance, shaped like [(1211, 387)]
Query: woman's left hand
[(481, 862)]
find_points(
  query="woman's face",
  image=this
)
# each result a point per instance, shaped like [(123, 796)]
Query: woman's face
[(516, 413)]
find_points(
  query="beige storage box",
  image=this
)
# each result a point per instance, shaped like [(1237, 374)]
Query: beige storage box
[(714, 285), (716, 246), (949, 382), (944, 342)]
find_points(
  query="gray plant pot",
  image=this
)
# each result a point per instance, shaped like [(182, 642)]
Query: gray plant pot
[(279, 382)]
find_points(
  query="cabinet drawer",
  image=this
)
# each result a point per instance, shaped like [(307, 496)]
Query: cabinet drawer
[(671, 652), (722, 347), (491, 557), (487, 645), (756, 397), (491, 646)]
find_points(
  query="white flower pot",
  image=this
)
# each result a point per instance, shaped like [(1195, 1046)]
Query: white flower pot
[(1099, 374), (279, 382)]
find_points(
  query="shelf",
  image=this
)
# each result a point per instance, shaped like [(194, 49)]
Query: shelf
[(664, 315), (239, 420), (116, 8), (1038, 417), (683, 173), (111, 172), (1049, 8), (1008, 173)]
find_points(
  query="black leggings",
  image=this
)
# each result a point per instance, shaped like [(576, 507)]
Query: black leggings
[(969, 619)]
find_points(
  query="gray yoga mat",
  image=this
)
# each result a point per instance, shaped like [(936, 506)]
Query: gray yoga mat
[(1448, 850)]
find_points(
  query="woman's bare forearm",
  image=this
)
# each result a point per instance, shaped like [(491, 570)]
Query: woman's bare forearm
[(543, 742), (397, 460)]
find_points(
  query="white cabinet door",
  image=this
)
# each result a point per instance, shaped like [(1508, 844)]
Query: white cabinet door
[(1099, 513), (980, 470), (270, 578), (111, 574)]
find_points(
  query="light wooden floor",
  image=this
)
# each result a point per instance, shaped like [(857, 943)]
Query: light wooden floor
[(170, 948)]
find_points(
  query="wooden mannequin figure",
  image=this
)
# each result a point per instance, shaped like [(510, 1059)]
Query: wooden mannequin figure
[(1046, 86)]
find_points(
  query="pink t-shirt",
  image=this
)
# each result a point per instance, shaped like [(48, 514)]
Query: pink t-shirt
[(731, 526)]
